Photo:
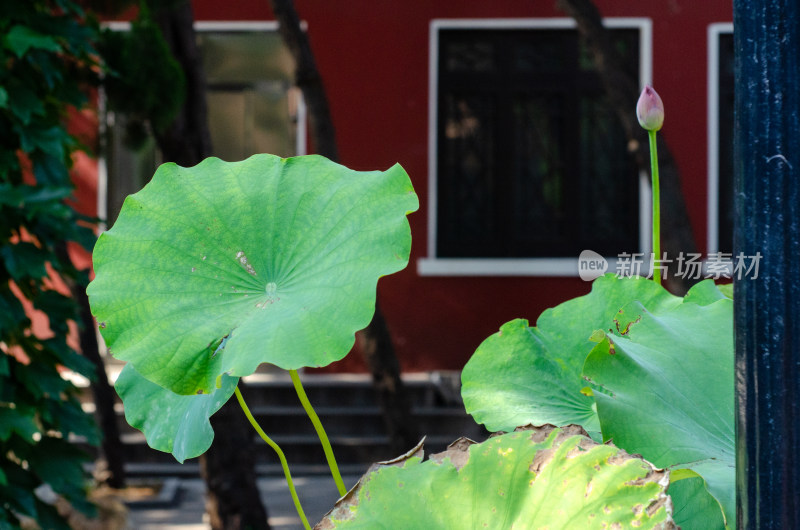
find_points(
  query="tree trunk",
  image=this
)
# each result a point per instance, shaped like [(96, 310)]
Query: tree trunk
[(232, 498), (187, 140), (307, 78), (376, 346), (623, 93), (375, 340), (228, 467), (112, 466), (104, 398)]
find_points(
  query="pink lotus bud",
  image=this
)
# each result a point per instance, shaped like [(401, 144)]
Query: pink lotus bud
[(650, 110)]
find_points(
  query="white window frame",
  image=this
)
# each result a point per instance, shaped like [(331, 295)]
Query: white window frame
[(203, 26), (712, 205), (436, 266)]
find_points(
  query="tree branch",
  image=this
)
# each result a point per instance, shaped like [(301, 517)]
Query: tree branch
[(307, 78), (623, 92)]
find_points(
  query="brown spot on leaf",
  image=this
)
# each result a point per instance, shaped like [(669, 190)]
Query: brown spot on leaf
[(457, 452), (540, 460), (345, 508), (627, 328)]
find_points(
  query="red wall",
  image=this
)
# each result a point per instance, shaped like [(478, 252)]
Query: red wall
[(373, 57)]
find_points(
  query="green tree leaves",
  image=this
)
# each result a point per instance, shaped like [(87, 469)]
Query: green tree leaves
[(20, 39), (136, 58), (48, 60)]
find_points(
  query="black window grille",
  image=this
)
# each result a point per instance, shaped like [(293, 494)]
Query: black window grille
[(531, 160), (725, 142)]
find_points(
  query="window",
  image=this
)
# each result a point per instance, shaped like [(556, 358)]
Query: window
[(253, 107), (720, 138), (529, 165)]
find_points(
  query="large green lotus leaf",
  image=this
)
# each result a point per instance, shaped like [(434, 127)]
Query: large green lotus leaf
[(693, 507), (532, 375), (171, 422), (278, 258), (726, 289), (707, 292), (669, 391), (540, 478)]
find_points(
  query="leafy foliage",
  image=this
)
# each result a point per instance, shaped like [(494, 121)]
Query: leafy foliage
[(221, 267), (693, 506), (527, 375), (212, 270), (171, 423), (669, 390), (215, 269), (135, 59), (540, 477), (47, 56), (653, 371)]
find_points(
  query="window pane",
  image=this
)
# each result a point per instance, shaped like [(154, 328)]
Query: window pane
[(249, 120), (130, 161), (532, 163), (244, 57), (468, 55), (541, 52), (608, 181), (252, 108), (466, 176), (249, 77), (625, 43), (725, 156), (539, 175)]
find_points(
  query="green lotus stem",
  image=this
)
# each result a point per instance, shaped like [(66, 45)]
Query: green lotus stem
[(281, 457), (323, 438), (650, 113), (656, 207)]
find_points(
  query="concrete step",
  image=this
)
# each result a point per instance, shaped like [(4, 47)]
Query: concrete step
[(355, 452), (267, 387), (345, 390), (191, 469), (361, 421), (343, 421), (349, 410)]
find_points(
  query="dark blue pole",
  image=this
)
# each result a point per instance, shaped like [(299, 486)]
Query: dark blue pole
[(767, 307)]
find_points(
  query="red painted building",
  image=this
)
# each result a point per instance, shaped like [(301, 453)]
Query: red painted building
[(496, 113)]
